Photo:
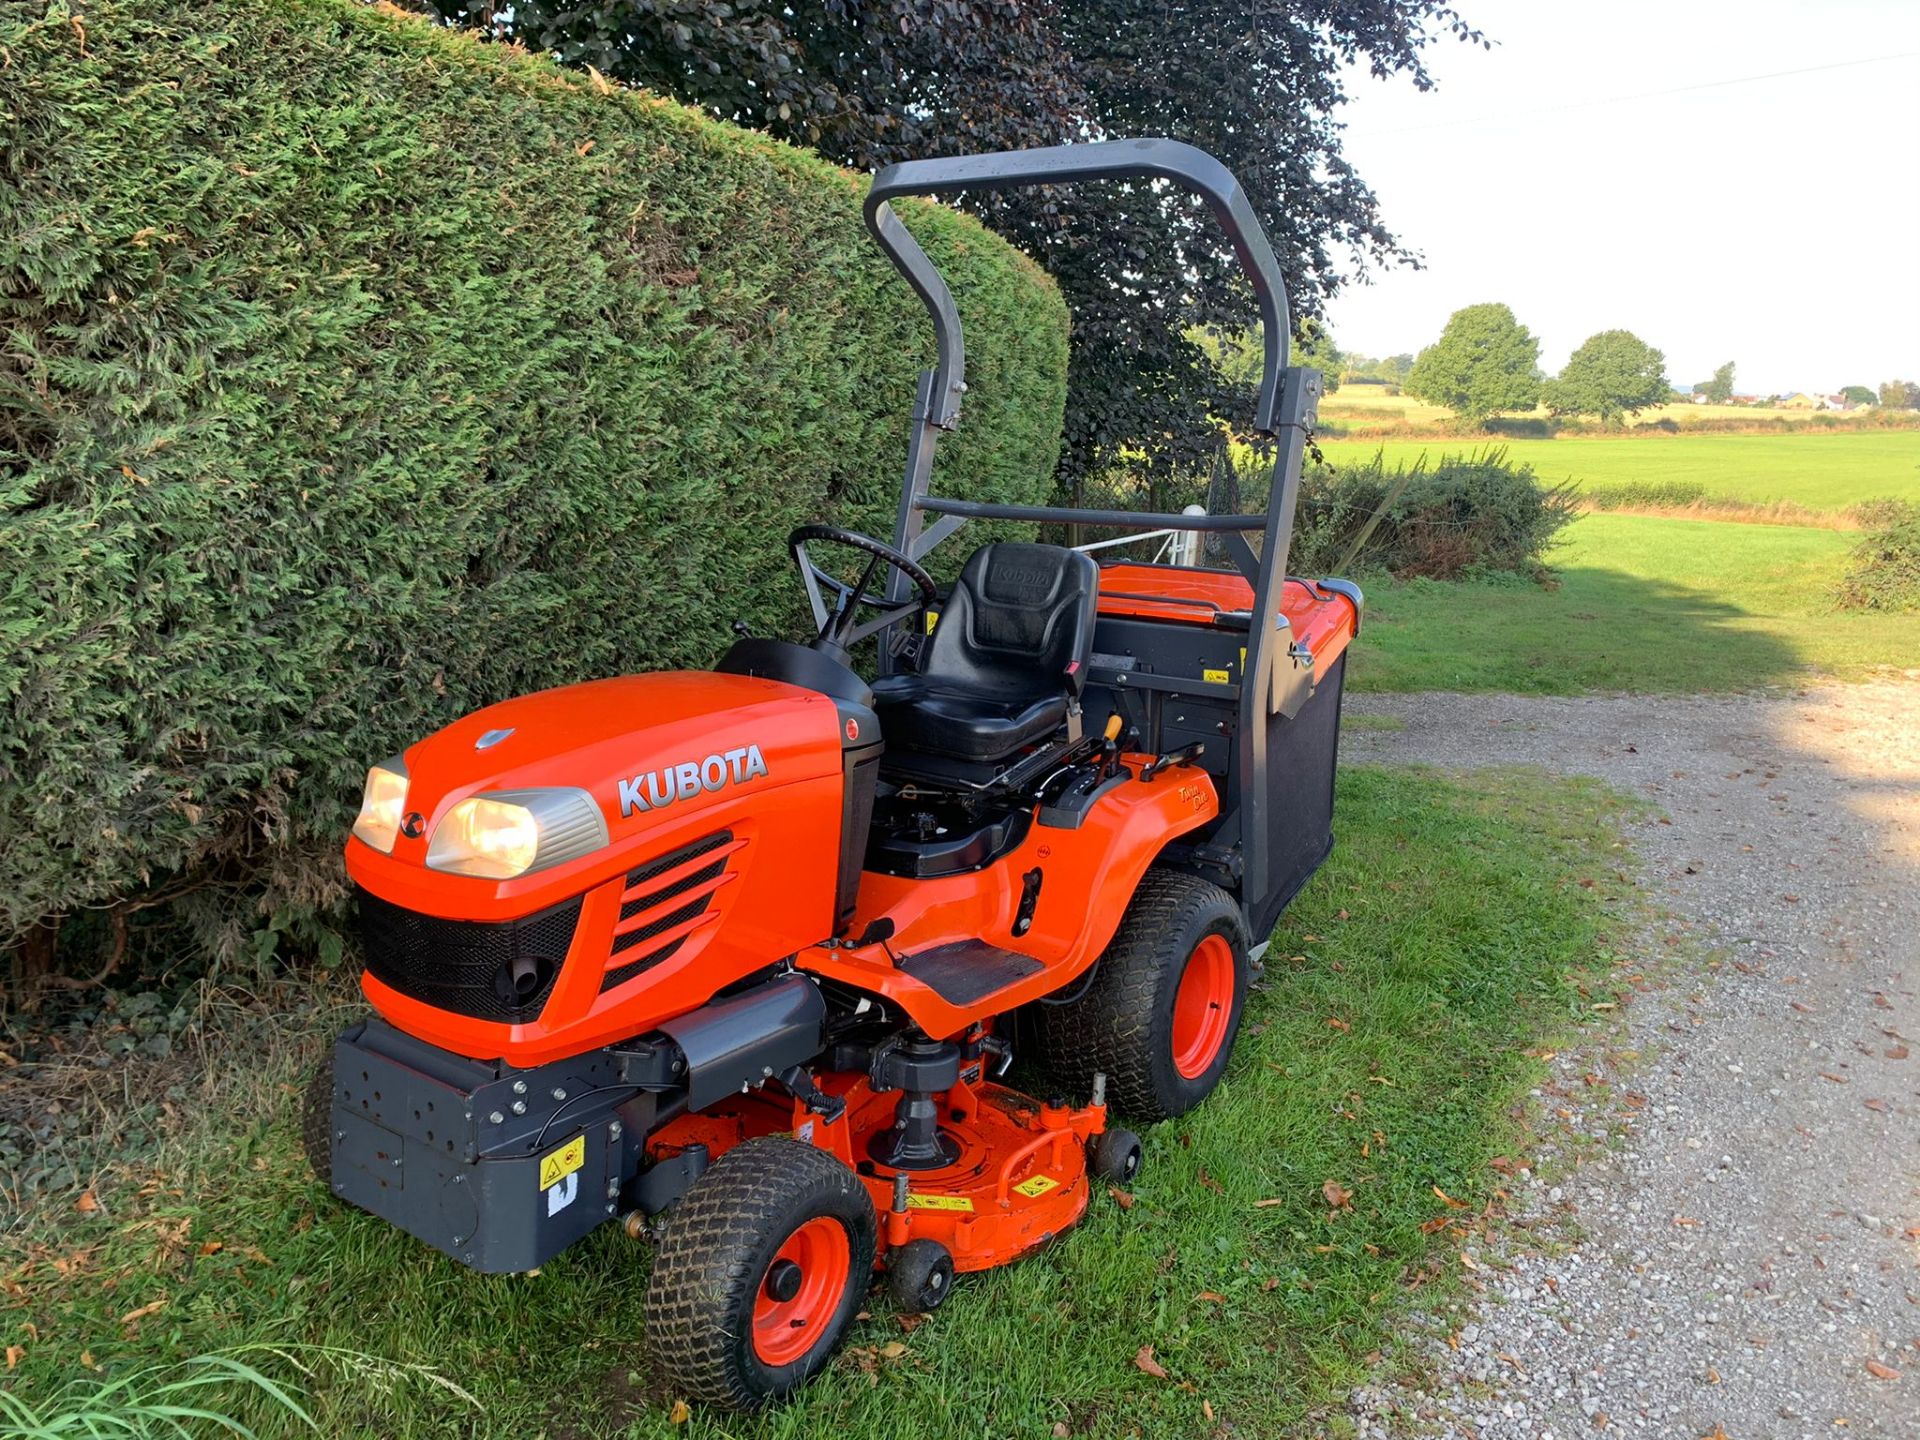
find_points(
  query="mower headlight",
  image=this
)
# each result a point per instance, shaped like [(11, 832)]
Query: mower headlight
[(381, 804), (499, 836)]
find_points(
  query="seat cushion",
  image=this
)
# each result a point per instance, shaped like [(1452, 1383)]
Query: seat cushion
[(923, 715)]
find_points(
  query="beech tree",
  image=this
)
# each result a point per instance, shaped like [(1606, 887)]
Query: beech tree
[(1484, 362), (868, 84)]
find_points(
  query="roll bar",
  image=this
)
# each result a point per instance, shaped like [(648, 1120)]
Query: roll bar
[(1276, 676), (1152, 159)]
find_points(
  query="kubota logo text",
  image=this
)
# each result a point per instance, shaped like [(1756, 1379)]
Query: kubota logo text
[(658, 788)]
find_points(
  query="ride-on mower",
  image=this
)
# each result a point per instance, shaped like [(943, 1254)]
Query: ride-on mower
[(741, 956)]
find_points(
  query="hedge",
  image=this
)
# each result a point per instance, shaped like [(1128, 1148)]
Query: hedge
[(354, 374)]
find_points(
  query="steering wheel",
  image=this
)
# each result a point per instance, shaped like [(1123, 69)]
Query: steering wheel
[(838, 627)]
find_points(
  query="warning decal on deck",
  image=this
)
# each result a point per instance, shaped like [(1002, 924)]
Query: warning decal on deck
[(563, 1162), (1216, 677), (1036, 1187), (940, 1202)]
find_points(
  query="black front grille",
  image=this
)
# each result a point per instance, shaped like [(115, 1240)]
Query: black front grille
[(467, 966), (638, 938)]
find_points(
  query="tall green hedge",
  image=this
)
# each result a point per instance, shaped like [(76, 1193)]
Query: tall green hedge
[(354, 375)]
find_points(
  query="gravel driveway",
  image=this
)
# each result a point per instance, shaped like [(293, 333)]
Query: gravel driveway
[(1745, 1245)]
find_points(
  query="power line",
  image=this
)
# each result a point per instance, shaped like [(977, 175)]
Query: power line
[(1642, 95)]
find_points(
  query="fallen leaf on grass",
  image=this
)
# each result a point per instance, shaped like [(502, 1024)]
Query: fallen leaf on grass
[(14, 1352), (1120, 1197), (87, 1204), (1212, 1296), (680, 1413), (1144, 1361), (1882, 1372), (1263, 1204), (892, 1350), (1339, 1197), (1060, 1430), (1206, 1406), (1449, 1201), (152, 1307), (1336, 1023), (1211, 1183)]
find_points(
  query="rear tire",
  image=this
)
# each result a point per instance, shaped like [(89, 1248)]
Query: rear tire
[(316, 1120), (1163, 1010), (759, 1274)]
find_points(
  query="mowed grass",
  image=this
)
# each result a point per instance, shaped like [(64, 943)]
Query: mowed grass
[(1457, 929), (1644, 603), (1820, 470)]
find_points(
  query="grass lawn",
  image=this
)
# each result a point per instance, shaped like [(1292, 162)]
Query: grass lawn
[(1457, 929), (1645, 603), (1821, 470)]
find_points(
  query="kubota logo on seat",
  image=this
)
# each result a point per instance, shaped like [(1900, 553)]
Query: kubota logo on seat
[(657, 788)]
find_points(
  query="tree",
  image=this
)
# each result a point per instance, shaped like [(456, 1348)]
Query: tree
[(1612, 374), (868, 84), (1484, 362), (1900, 395), (1718, 390), (1858, 395), (1239, 354)]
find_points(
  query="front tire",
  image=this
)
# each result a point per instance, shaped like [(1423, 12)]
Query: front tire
[(1164, 1007), (761, 1270)]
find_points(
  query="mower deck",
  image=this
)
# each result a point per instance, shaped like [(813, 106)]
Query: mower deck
[(1018, 1177)]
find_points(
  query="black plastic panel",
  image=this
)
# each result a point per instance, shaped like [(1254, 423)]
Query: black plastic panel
[(461, 965)]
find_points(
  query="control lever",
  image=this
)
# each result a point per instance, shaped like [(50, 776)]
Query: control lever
[(800, 1085), (1185, 755), (1110, 746)]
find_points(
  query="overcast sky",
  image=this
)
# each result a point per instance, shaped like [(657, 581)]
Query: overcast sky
[(1774, 222)]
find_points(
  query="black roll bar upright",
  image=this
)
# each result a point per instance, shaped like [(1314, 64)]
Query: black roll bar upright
[(1283, 409)]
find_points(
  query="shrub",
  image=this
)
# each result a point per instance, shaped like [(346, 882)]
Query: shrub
[(1467, 514), (357, 375), (1883, 572)]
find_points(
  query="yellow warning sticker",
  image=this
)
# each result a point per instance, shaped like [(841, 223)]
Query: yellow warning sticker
[(1036, 1187), (1216, 677), (563, 1162), (959, 1203), (932, 617)]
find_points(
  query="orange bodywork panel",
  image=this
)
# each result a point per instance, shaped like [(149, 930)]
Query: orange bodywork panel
[(1088, 877), (755, 761), (1321, 620)]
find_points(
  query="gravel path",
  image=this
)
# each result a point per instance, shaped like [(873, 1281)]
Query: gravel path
[(1741, 1256)]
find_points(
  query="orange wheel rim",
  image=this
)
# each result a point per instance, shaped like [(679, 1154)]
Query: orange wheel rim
[(784, 1330), (1202, 1007)]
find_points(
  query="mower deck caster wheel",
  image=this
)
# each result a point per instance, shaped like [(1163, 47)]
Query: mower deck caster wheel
[(316, 1121), (920, 1275), (1114, 1156)]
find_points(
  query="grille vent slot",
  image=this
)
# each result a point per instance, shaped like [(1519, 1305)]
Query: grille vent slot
[(644, 896)]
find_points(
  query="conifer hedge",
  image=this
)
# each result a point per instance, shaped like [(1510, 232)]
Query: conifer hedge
[(354, 375)]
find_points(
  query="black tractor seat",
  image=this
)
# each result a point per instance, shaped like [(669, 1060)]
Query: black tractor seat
[(1004, 664)]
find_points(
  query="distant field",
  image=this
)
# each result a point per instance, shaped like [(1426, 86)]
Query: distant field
[(1821, 470), (1370, 405), (1645, 604)]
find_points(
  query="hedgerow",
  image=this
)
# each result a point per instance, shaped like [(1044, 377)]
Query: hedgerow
[(355, 375), (1883, 572)]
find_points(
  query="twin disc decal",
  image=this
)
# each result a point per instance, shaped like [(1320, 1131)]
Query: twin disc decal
[(658, 788)]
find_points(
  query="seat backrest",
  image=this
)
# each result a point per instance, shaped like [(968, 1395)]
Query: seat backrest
[(1020, 619)]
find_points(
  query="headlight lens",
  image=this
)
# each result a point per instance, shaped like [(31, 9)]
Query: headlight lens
[(496, 837), (381, 804)]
